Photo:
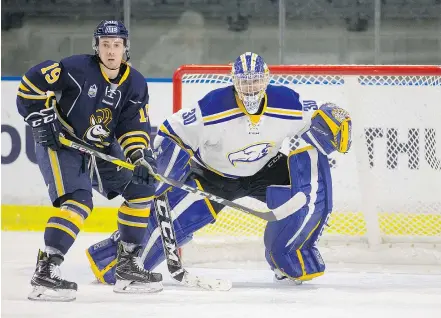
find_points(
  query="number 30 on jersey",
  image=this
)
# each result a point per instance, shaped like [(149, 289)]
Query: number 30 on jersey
[(189, 117)]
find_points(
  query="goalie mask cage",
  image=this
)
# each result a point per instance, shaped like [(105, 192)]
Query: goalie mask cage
[(387, 189)]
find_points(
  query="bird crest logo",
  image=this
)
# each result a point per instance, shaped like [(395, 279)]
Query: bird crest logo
[(250, 153)]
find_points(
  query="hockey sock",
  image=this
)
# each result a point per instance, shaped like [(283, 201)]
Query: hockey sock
[(62, 228), (132, 222)]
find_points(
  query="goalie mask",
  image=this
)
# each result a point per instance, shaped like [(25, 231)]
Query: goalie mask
[(250, 77)]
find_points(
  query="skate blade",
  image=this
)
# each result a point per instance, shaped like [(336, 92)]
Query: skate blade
[(41, 293), (287, 281), (132, 287)]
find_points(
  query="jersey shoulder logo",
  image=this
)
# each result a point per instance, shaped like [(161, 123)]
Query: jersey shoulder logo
[(98, 129), (92, 91), (250, 153)]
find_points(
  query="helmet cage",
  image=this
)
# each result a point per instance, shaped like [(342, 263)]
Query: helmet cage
[(250, 88)]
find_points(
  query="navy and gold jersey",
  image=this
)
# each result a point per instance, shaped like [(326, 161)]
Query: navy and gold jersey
[(90, 105)]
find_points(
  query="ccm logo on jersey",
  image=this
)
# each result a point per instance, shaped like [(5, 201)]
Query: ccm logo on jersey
[(250, 154)]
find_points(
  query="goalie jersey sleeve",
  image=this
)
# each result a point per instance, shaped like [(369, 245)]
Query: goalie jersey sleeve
[(184, 127)]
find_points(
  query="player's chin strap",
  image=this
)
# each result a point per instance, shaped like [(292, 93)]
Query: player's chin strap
[(283, 211)]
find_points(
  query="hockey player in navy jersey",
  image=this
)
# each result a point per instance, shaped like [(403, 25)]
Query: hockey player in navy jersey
[(230, 144), (100, 99)]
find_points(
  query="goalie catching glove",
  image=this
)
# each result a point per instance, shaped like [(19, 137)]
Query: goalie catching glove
[(330, 129), (45, 125)]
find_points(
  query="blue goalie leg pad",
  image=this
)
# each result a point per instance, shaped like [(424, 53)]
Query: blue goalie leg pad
[(102, 258), (290, 243), (302, 265)]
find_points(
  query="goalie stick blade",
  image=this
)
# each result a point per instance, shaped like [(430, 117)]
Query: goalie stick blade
[(206, 283), (173, 259)]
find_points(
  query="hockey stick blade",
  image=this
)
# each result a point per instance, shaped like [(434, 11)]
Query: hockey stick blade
[(174, 262), (206, 282), (270, 216)]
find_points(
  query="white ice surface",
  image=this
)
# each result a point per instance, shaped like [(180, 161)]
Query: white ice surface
[(369, 291)]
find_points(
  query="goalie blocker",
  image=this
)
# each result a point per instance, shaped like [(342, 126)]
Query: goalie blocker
[(290, 243)]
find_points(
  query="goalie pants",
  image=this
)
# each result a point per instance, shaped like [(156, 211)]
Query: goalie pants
[(275, 172)]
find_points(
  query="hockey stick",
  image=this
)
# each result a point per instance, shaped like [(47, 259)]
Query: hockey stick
[(165, 224), (283, 211), (174, 262)]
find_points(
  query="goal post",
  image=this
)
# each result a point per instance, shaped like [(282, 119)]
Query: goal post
[(387, 189)]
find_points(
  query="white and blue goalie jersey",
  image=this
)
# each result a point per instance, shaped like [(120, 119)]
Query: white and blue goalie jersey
[(224, 138)]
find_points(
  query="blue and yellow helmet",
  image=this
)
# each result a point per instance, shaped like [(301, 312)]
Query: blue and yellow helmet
[(250, 77)]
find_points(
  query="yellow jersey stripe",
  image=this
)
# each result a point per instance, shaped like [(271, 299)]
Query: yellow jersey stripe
[(23, 88), (134, 133), (272, 110), (35, 88), (28, 96), (132, 140), (129, 148), (221, 115)]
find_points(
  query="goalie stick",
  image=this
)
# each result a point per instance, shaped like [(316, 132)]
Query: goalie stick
[(283, 211), (174, 262)]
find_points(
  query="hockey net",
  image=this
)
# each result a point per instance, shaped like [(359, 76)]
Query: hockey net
[(387, 190)]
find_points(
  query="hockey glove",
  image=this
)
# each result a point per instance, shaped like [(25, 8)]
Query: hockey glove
[(330, 129), (45, 126), (143, 159)]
